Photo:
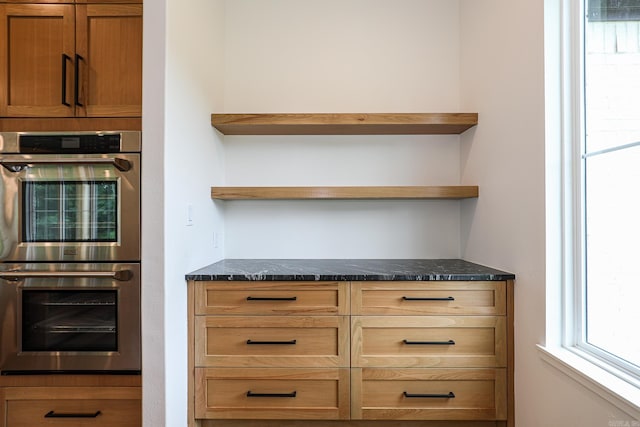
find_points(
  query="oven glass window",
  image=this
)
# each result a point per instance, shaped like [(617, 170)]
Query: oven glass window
[(69, 320), (70, 211)]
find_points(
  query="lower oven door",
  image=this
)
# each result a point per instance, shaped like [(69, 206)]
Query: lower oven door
[(69, 318)]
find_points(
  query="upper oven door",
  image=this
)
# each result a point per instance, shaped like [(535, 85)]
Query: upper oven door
[(72, 207)]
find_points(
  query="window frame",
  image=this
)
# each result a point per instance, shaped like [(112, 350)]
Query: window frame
[(564, 134), (576, 283)]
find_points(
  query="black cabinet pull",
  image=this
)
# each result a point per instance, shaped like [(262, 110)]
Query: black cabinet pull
[(428, 299), (252, 394), (449, 395), (272, 298), (52, 414), (76, 84), (251, 342), (65, 58), (450, 342)]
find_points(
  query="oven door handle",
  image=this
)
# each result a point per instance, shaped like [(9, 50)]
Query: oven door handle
[(123, 165), (16, 275)]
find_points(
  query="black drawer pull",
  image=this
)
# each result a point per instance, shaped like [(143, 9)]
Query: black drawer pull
[(252, 394), (272, 298), (450, 395), (450, 342), (52, 414), (428, 299), (251, 342)]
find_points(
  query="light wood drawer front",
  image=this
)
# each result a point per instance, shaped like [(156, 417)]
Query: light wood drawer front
[(272, 341), (58, 406), (428, 298), (429, 394), (272, 298), (435, 341), (272, 393)]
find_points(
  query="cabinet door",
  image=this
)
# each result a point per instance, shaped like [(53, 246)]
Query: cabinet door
[(109, 49), (36, 63)]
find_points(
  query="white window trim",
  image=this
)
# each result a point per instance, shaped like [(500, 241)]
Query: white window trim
[(562, 94)]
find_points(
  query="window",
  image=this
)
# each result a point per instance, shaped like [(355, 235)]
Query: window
[(613, 10), (605, 197)]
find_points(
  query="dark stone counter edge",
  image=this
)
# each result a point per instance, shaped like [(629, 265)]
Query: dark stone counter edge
[(349, 277)]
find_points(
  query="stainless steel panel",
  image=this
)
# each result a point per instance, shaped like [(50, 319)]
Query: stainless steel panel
[(122, 277), (131, 141), (97, 167)]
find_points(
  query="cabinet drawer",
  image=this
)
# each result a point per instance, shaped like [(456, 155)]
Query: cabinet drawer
[(428, 298), (272, 393), (271, 298), (73, 407), (429, 394), (429, 341), (272, 341)]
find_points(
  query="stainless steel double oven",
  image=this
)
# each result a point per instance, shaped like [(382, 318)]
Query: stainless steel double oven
[(70, 252)]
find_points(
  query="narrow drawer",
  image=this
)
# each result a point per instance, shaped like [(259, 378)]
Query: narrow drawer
[(272, 341), (273, 393), (428, 298), (271, 298), (428, 341), (73, 407), (429, 394)]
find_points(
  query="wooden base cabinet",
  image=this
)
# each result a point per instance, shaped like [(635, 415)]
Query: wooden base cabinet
[(429, 394), (272, 393), (351, 354), (71, 406)]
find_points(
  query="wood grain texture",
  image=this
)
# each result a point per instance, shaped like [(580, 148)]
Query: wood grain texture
[(109, 38), (389, 298), (26, 406), (476, 394), (321, 393), (69, 124), (311, 298), (37, 35), (378, 341), (346, 423), (321, 341), (387, 192), (344, 124)]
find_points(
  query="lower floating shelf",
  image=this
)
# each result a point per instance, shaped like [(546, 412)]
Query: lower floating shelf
[(304, 193)]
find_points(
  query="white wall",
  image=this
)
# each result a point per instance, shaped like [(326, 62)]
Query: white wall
[(182, 158), (342, 56), (502, 78), (349, 56)]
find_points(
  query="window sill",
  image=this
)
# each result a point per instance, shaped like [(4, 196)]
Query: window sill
[(615, 390)]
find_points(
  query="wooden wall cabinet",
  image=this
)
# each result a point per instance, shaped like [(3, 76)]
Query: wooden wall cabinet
[(421, 352), (71, 60)]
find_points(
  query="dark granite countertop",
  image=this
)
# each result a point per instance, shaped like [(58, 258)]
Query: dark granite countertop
[(347, 269)]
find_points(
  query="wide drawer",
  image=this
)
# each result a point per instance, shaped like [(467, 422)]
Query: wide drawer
[(73, 407), (273, 393), (428, 298), (428, 341), (271, 298), (429, 394), (272, 341)]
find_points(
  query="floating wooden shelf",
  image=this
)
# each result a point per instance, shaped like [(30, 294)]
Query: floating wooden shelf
[(344, 124), (292, 193)]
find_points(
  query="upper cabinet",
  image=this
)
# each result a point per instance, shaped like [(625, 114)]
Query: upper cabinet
[(344, 124), (65, 60)]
